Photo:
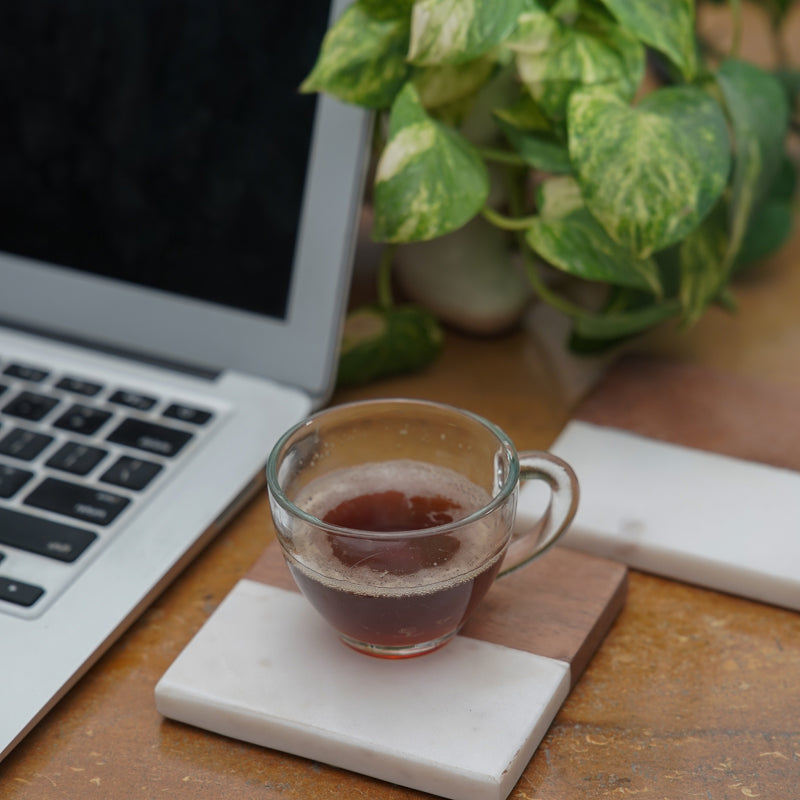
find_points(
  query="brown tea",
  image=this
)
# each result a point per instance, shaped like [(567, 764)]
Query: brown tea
[(395, 592), (390, 511)]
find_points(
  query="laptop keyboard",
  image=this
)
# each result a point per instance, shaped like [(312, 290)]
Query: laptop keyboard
[(76, 455)]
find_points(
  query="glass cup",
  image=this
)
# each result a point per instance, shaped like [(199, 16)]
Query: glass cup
[(395, 517)]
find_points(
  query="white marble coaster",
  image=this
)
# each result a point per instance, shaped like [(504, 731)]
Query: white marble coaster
[(462, 722), (712, 520)]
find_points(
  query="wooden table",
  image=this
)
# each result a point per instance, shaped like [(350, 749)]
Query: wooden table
[(694, 694)]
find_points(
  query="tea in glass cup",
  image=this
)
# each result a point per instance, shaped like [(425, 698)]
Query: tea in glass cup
[(396, 516)]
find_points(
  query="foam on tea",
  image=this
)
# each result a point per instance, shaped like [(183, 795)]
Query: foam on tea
[(401, 495)]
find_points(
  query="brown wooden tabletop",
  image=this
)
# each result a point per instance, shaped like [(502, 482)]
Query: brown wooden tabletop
[(693, 694)]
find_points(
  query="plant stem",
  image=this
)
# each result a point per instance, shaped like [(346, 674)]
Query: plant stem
[(502, 156), (543, 290), (506, 223), (518, 225), (385, 299)]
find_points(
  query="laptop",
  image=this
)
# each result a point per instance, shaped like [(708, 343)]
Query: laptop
[(177, 224)]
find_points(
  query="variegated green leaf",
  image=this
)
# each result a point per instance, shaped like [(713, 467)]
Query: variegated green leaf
[(454, 31), (554, 58), (537, 31), (524, 115), (438, 86), (387, 9), (666, 25), (578, 245), (558, 197), (378, 342), (538, 151), (429, 180), (759, 115), (564, 8), (533, 137), (649, 174), (703, 265), (362, 59)]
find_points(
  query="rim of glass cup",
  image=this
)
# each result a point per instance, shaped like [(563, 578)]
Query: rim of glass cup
[(508, 486)]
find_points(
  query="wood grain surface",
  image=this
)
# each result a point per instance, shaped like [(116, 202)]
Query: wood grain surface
[(560, 606), (697, 406), (693, 695)]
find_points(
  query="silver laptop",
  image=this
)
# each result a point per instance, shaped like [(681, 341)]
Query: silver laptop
[(176, 225)]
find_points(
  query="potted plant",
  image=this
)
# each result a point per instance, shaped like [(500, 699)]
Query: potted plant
[(567, 144)]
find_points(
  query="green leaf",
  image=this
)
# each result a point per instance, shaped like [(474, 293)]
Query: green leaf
[(562, 8), (454, 31), (362, 59), (532, 136), (758, 110), (772, 221), (387, 9), (378, 342), (578, 245), (538, 151), (759, 114), (429, 180), (439, 86), (554, 58), (649, 174), (785, 183), (558, 197), (790, 80), (770, 227), (666, 25), (704, 265)]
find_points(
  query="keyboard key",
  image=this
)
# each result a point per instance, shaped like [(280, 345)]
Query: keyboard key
[(30, 406), (73, 500), (195, 416), (141, 402), (149, 436), (131, 473), (43, 536), (79, 459), (24, 444), (79, 386), (19, 593), (26, 373), (12, 479), (82, 419)]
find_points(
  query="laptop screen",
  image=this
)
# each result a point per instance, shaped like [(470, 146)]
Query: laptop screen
[(161, 142)]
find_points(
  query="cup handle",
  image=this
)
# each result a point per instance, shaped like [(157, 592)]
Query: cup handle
[(560, 511)]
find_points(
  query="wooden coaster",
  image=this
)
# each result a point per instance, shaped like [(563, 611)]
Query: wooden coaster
[(561, 606)]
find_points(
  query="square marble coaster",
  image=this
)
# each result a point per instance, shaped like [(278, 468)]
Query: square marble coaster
[(689, 472), (462, 722), (713, 520)]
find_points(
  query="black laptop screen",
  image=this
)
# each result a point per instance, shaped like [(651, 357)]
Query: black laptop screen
[(162, 142)]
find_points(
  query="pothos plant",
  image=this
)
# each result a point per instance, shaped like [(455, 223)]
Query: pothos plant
[(657, 192)]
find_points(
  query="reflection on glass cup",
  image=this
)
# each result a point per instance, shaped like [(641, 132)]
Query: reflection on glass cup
[(395, 517)]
